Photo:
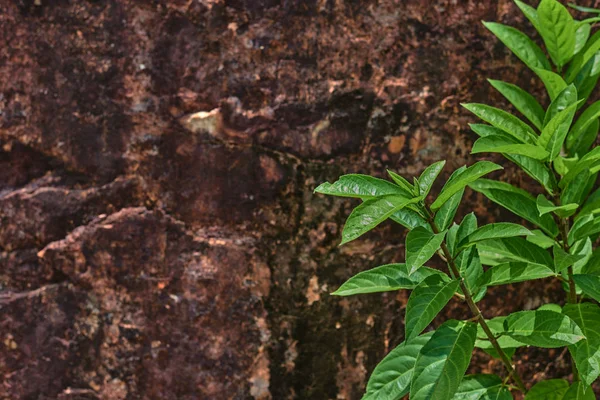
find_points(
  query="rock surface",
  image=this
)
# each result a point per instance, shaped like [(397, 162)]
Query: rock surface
[(159, 236)]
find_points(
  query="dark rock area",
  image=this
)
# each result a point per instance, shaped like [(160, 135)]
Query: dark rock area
[(159, 238)]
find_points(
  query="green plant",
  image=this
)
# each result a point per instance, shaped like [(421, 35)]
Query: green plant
[(555, 149)]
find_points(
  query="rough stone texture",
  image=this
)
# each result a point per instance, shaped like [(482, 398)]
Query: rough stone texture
[(159, 237)]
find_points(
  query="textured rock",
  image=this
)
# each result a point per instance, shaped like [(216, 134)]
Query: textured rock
[(159, 235)]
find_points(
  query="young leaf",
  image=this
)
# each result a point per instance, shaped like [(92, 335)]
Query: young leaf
[(553, 82), (392, 376), (542, 328), (545, 206), (514, 272), (428, 177), (523, 101), (469, 175), (482, 387), (516, 200), (400, 181), (445, 215), (586, 353), (520, 44), (385, 278), (557, 30), (425, 302), (421, 245), (359, 186), (553, 389), (442, 362), (503, 144), (587, 118), (590, 284), (494, 231), (554, 134), (371, 213), (500, 119)]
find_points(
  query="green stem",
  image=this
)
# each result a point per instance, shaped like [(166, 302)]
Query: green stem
[(572, 296), (473, 307)]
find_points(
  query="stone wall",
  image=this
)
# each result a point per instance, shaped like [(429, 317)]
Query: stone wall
[(159, 237)]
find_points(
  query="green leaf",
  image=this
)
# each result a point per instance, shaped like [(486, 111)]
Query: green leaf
[(516, 249), (545, 206), (590, 161), (392, 376), (583, 57), (442, 362), (562, 259), (557, 30), (503, 144), (538, 238), (584, 9), (516, 200), (445, 215), (579, 391), (590, 284), (520, 44), (564, 99), (577, 189), (586, 353), (371, 213), (542, 328), (409, 219), (494, 231), (533, 168), (428, 177), (585, 120), (359, 186), (514, 272), (425, 302), (582, 34), (500, 119), (553, 389), (469, 175), (530, 13), (583, 142), (583, 228), (507, 343), (385, 278), (554, 134), (421, 245), (482, 387), (591, 204), (401, 182), (553, 82), (523, 101)]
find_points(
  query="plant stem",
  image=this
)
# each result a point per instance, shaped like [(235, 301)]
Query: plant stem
[(564, 229), (474, 309), (572, 297)]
